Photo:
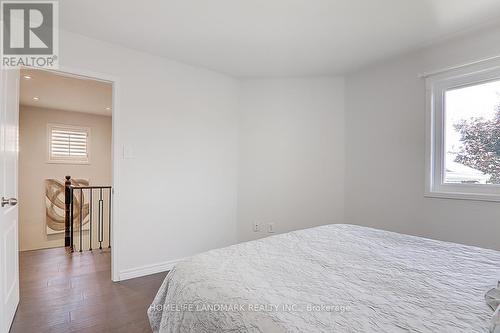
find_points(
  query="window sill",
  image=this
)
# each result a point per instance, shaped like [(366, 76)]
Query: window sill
[(68, 162), (463, 196)]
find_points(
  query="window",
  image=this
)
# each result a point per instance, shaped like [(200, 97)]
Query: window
[(463, 130), (68, 144)]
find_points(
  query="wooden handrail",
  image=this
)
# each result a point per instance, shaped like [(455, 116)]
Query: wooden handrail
[(88, 187)]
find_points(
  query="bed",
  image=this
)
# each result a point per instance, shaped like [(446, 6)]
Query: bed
[(333, 278)]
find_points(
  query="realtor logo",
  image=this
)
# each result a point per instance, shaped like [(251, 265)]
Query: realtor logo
[(29, 34)]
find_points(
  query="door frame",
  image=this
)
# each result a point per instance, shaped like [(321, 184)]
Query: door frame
[(115, 153)]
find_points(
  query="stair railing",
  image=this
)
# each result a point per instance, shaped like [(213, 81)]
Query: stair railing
[(75, 200)]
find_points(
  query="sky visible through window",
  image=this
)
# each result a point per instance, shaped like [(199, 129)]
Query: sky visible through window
[(467, 104)]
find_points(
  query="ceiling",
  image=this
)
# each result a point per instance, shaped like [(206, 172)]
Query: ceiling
[(54, 91), (249, 38)]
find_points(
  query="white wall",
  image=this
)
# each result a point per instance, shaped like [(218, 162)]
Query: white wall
[(34, 169), (291, 156), (385, 147), (182, 123), (177, 196)]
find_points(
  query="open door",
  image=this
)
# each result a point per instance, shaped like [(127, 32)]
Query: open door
[(9, 256)]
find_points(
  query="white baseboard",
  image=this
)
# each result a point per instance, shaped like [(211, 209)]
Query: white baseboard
[(147, 270)]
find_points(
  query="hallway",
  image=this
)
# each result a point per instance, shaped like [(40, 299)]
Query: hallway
[(74, 293)]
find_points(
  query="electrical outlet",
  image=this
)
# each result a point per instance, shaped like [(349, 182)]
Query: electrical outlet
[(256, 227), (270, 228)]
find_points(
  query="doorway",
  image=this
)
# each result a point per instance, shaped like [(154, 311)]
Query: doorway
[(65, 129)]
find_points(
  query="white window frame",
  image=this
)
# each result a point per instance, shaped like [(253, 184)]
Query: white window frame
[(69, 159), (436, 86)]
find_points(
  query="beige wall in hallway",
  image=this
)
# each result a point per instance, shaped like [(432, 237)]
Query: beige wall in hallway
[(34, 169)]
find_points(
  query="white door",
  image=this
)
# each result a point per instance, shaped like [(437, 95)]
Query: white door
[(9, 256)]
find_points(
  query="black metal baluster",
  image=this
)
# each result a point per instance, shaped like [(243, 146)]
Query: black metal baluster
[(70, 211), (71, 216), (101, 217), (90, 217), (109, 220), (81, 218)]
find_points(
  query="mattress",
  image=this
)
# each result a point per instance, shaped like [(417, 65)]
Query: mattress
[(333, 278)]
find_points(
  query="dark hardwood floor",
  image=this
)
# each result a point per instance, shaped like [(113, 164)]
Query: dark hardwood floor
[(63, 292)]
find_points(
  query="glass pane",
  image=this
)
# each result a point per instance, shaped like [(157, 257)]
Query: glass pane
[(472, 134)]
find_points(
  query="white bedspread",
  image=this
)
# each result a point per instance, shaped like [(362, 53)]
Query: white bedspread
[(334, 278)]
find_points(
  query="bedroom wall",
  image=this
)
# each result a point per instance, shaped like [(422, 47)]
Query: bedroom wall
[(291, 154), (177, 182), (385, 143), (179, 126), (34, 169)]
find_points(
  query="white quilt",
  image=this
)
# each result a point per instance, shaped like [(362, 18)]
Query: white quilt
[(334, 278)]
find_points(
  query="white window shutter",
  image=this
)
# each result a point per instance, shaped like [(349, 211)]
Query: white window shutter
[(68, 144)]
